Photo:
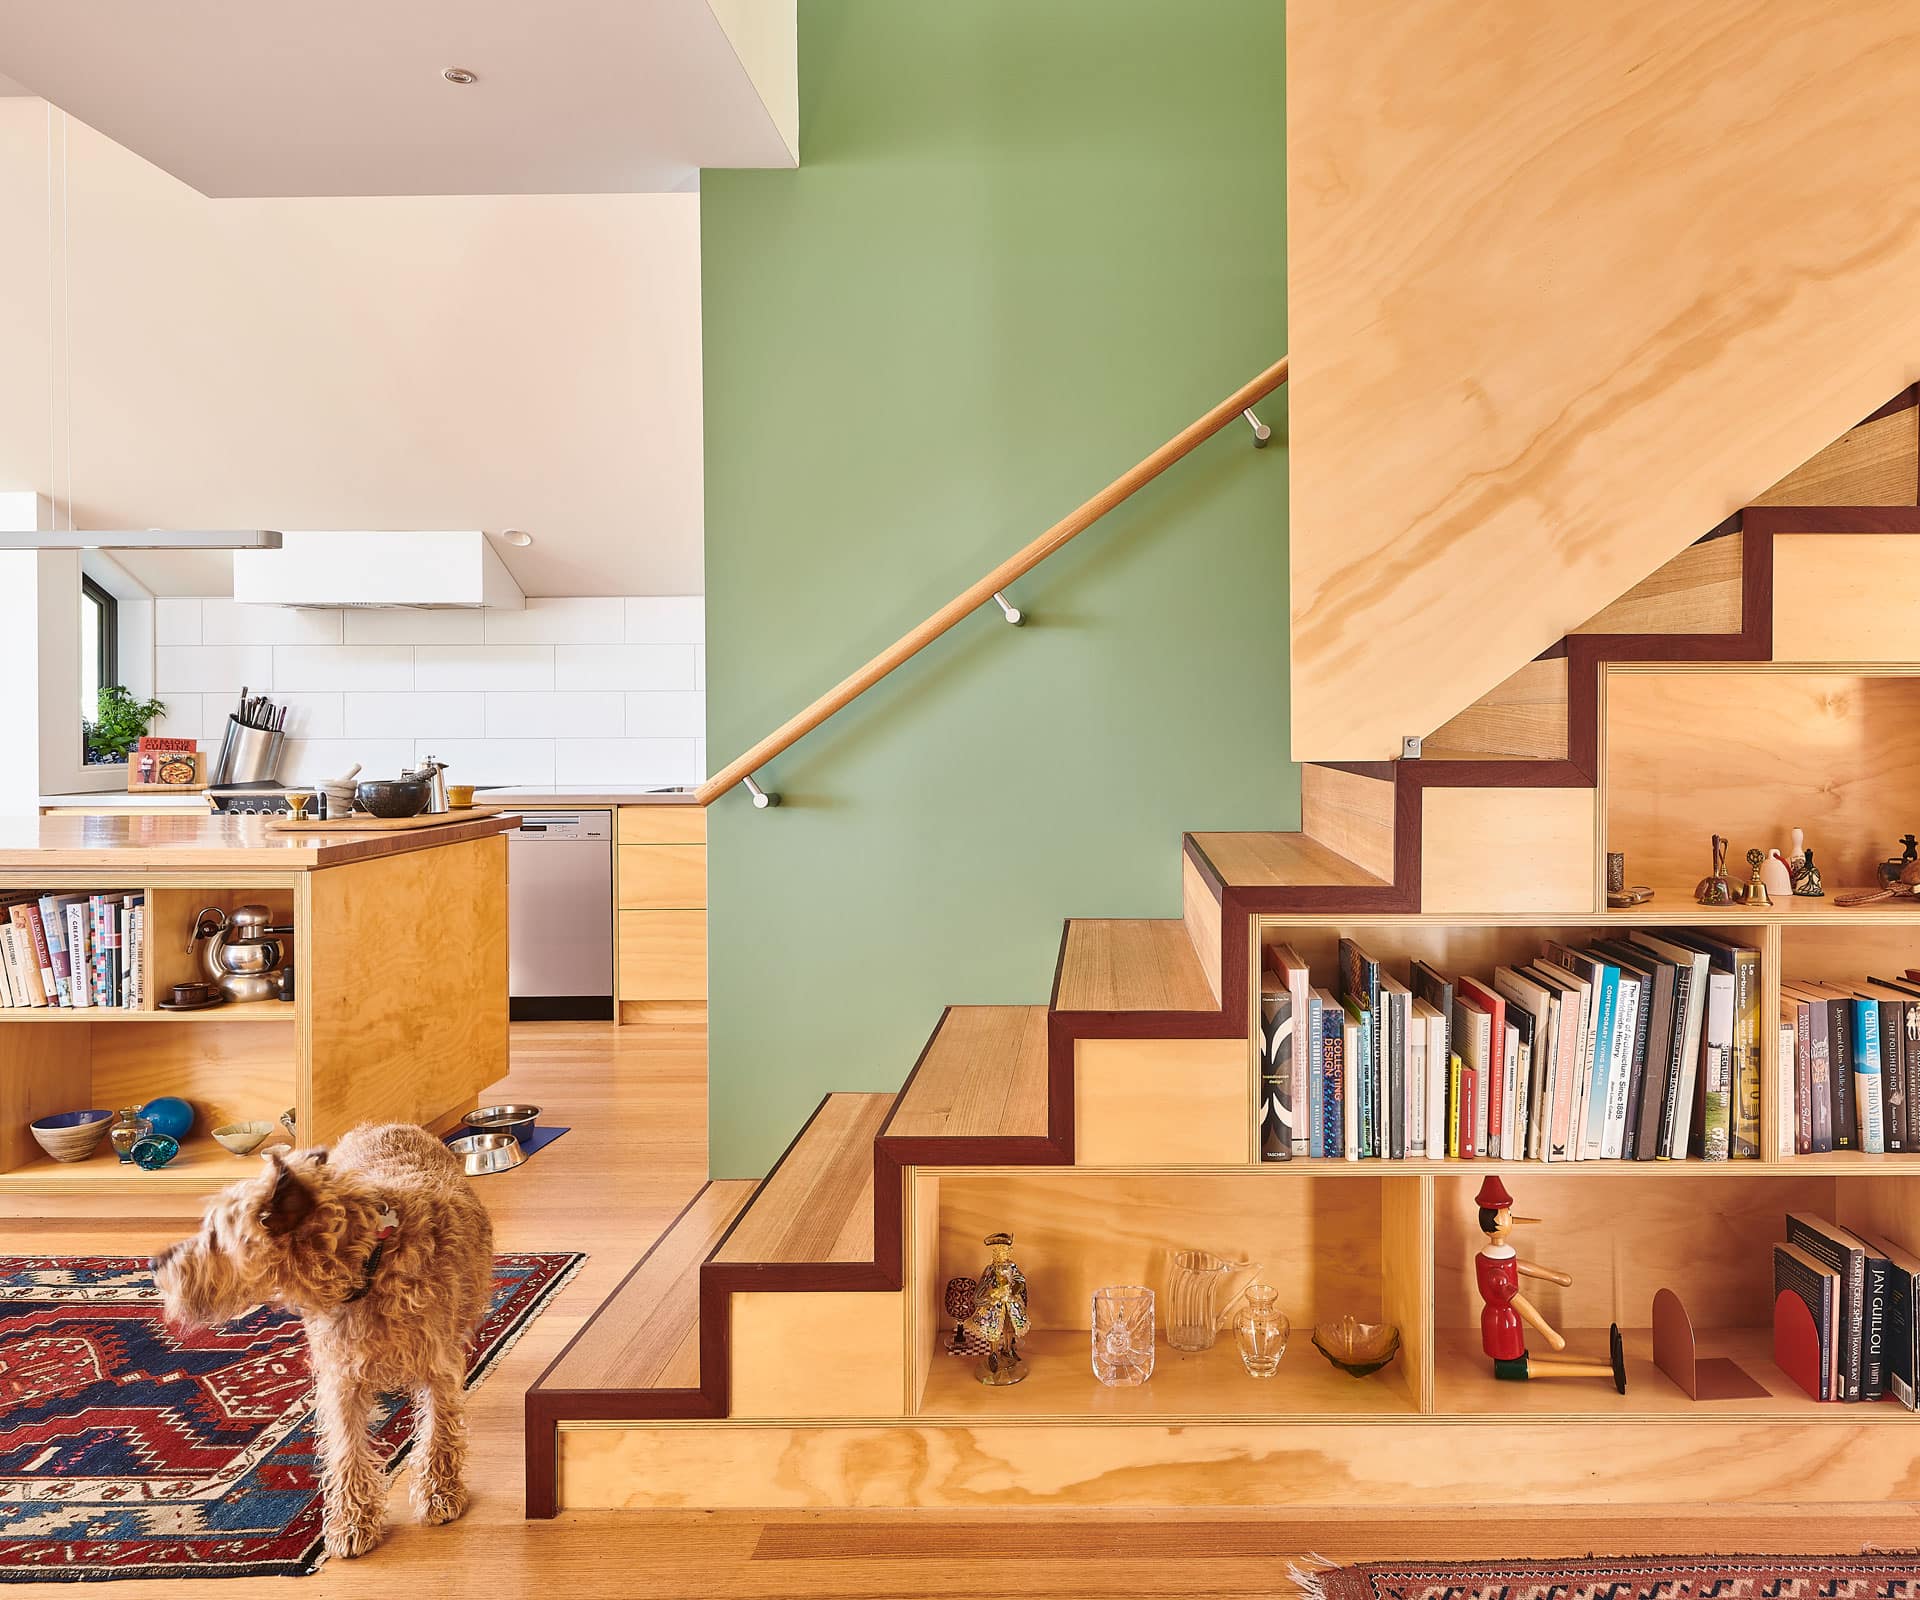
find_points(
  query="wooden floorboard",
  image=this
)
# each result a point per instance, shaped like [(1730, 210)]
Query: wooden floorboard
[(984, 1076), (818, 1205), (636, 1101), (1282, 860), (1131, 964)]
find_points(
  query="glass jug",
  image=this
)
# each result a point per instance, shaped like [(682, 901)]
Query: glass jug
[(1197, 1305)]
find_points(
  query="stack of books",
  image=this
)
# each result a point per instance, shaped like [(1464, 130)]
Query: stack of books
[(1860, 1291), (1850, 1065), (73, 950), (1644, 1047)]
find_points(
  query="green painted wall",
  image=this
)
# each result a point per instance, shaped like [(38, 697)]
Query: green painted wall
[(1027, 243)]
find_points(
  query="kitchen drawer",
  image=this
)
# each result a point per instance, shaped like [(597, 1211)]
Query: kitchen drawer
[(663, 877), (663, 955), (662, 825)]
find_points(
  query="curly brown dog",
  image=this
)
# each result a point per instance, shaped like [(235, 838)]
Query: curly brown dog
[(383, 1248)]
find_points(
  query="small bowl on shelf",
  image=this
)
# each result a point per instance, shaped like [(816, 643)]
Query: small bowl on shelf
[(70, 1135), (243, 1138), (155, 1151), (502, 1119), (483, 1153), (1358, 1349)]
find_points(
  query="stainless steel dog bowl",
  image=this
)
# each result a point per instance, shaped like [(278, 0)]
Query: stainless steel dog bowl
[(482, 1153), (502, 1119)]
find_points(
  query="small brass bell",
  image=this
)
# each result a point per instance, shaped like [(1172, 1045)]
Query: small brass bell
[(1756, 888)]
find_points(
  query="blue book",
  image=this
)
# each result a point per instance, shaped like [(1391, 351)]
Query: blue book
[(1866, 1076), (1594, 1139)]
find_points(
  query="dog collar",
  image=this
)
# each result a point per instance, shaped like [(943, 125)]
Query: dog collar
[(387, 1221)]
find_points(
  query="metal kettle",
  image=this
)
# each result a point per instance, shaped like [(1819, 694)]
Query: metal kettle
[(241, 951), (434, 775)]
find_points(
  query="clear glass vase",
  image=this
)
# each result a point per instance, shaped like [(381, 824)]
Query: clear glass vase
[(1123, 1335), (1262, 1330)]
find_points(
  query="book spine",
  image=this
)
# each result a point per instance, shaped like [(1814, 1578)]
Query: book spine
[(1716, 1069), (43, 955), (1369, 1065), (1593, 1133), (1910, 1051), (1416, 1117), (1332, 1070), (1746, 1056), (1620, 1073), (1276, 1084), (1394, 1015), (1349, 1091), (1840, 1078), (1874, 1330), (1820, 1070), (1893, 1076), (1866, 1076), (29, 968), (1457, 1080), (1566, 1070), (1802, 1078), (1315, 1098), (54, 926)]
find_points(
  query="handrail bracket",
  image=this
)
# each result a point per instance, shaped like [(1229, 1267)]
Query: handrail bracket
[(762, 798), (1008, 609), (1261, 432)]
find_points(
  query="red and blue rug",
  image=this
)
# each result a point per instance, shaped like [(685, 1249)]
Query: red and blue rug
[(130, 1451)]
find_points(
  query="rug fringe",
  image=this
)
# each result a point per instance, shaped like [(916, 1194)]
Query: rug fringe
[(530, 1316), (1309, 1574)]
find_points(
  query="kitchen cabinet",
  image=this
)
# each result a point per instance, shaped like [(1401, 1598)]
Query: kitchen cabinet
[(660, 892)]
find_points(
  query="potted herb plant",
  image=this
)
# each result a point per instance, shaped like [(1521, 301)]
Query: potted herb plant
[(122, 720)]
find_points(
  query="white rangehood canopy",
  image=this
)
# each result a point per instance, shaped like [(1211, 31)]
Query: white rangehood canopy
[(426, 570)]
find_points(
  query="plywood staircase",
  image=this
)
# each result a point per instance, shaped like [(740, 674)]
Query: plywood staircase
[(807, 1301)]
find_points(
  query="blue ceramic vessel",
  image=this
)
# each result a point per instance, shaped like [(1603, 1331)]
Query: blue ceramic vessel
[(169, 1115), (155, 1151)]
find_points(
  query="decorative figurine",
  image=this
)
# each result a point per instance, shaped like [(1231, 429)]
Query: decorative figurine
[(1498, 1271), (1755, 893), (1002, 1315), (1806, 876), (1619, 894), (1776, 875), (962, 1300), (1907, 883), (1894, 866), (1716, 888)]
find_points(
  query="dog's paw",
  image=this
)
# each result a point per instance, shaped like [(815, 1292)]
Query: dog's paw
[(441, 1502), (355, 1536)]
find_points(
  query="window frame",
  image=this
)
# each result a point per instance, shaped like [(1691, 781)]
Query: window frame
[(107, 651)]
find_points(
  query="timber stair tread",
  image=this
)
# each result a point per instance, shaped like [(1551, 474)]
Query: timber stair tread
[(983, 1076), (817, 1204), (646, 1335), (1131, 964), (1282, 860)]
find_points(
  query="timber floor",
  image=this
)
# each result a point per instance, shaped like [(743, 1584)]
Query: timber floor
[(635, 1098)]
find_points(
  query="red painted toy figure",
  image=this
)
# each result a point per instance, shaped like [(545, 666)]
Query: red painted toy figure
[(1498, 1271)]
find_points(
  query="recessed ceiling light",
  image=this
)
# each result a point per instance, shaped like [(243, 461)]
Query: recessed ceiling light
[(517, 537), (460, 75)]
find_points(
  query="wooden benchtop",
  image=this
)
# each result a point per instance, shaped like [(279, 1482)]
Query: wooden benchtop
[(190, 843)]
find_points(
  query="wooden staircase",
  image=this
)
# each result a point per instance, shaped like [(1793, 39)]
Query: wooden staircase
[(808, 1300)]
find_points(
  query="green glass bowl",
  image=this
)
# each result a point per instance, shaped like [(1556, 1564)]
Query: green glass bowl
[(154, 1151)]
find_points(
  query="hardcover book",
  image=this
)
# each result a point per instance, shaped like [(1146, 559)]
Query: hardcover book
[(1285, 960), (1569, 1062), (1902, 1330), (1816, 1286), (1865, 1019), (1653, 1031), (1426, 1017), (1332, 1074), (1473, 1041), (1490, 1069), (1396, 1009), (1276, 1072), (1847, 1256), (1716, 1070), (1690, 996)]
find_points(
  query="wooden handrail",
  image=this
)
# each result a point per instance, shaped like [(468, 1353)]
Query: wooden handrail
[(970, 599)]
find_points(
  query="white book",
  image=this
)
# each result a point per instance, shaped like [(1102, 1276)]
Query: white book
[(6, 984), (1788, 1089), (1350, 1070), (10, 955), (1620, 1075), (1523, 990), (1564, 1097), (1509, 1091), (1427, 1019), (1416, 1070), (80, 953), (1300, 990)]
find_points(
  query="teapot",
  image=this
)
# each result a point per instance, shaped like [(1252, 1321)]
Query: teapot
[(241, 951)]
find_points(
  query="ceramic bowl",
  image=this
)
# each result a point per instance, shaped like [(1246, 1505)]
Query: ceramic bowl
[(482, 1153), (155, 1151), (70, 1135), (1357, 1348), (170, 1115), (502, 1119), (394, 797), (243, 1138)]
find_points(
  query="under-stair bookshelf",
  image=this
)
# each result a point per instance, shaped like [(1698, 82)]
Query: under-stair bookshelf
[(814, 1376)]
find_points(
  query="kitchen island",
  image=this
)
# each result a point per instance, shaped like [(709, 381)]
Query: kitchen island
[(399, 1011)]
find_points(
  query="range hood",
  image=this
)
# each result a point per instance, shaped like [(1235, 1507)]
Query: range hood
[(428, 571)]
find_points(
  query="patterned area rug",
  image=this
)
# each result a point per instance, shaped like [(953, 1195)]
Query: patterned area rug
[(127, 1451), (1871, 1577)]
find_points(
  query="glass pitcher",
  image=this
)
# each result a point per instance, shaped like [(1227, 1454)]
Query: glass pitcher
[(1197, 1304)]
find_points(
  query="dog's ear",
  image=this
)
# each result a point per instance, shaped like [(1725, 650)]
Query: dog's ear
[(290, 1203)]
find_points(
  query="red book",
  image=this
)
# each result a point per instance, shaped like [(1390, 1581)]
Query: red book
[(1496, 1009)]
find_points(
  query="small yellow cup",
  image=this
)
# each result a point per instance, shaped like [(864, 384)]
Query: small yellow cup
[(459, 796)]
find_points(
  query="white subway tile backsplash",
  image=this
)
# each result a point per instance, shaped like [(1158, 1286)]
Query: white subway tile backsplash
[(415, 714), (536, 714), (311, 715), (212, 668), (182, 718), (176, 619), (491, 666), (310, 760), (659, 761), (352, 666), (666, 619), (700, 669), (591, 620), (666, 714), (413, 625), (624, 666), (510, 761), (225, 621)]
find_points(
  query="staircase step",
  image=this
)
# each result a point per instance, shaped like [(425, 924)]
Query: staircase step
[(1130, 964), (817, 1204), (1282, 860), (647, 1334), (984, 1075)]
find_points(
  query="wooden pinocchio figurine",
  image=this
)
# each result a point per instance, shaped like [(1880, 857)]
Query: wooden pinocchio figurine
[(1498, 1271)]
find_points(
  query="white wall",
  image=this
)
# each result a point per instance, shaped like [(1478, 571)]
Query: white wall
[(568, 691)]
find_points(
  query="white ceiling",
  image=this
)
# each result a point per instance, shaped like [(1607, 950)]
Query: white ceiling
[(239, 98)]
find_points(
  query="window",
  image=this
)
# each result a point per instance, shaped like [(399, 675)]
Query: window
[(99, 641)]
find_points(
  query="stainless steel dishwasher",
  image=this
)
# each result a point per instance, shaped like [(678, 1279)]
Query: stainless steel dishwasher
[(560, 915)]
